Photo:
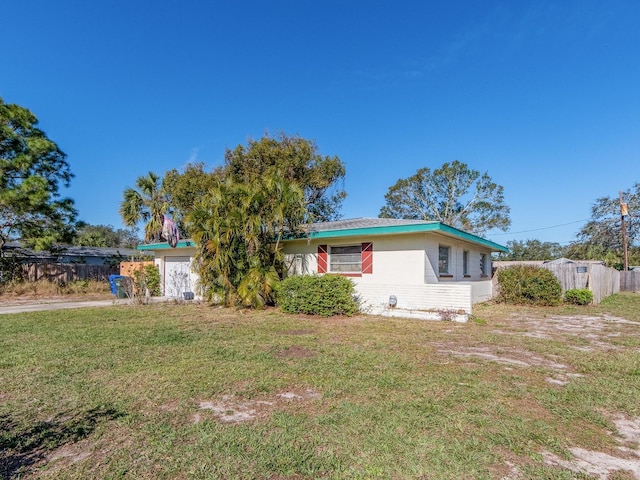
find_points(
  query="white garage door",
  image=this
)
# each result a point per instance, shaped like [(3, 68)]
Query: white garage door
[(177, 276)]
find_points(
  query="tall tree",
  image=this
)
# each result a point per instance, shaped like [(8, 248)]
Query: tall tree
[(453, 194), (32, 169), (238, 227), (297, 160), (149, 203), (600, 238)]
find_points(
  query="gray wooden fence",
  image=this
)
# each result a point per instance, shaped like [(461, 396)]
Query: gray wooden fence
[(66, 272), (602, 281), (630, 281)]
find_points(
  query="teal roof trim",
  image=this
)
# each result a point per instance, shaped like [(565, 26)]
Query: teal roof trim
[(403, 229), (165, 245), (364, 231)]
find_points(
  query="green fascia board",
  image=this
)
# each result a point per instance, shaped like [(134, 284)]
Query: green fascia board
[(404, 229), (165, 245), (364, 231)]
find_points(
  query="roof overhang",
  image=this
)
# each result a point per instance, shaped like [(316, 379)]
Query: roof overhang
[(434, 227)]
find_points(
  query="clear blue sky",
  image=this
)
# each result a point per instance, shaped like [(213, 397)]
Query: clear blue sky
[(543, 95)]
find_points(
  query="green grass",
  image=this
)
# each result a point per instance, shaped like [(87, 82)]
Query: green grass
[(117, 392)]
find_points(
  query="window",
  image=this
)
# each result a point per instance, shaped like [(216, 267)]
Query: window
[(465, 263), (483, 264), (351, 260), (346, 259), (443, 259)]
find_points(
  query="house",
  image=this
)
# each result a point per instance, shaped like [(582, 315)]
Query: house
[(406, 268)]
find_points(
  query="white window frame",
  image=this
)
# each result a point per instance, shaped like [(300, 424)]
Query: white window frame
[(447, 261)]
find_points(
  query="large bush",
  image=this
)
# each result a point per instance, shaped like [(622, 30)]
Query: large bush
[(578, 296), (529, 285), (324, 295)]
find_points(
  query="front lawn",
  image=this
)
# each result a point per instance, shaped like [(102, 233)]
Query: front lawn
[(189, 391)]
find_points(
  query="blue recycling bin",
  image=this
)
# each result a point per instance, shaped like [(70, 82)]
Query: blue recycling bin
[(112, 284), (118, 285)]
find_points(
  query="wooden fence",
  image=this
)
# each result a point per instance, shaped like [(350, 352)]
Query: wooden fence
[(602, 281), (630, 281), (67, 272)]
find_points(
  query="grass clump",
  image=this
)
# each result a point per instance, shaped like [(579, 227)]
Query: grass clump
[(529, 285), (578, 296), (324, 295)]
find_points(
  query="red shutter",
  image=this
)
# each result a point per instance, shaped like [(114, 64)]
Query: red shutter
[(322, 259), (367, 258)]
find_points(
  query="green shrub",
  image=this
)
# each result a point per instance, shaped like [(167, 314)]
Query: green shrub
[(529, 285), (324, 295), (147, 278), (578, 296)]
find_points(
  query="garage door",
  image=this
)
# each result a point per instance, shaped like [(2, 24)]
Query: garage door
[(177, 276)]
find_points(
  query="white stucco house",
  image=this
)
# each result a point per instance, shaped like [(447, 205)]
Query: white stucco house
[(405, 268)]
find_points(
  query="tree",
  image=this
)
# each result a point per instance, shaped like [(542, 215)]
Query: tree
[(452, 194), (238, 227), (105, 236), (184, 189), (297, 160), (601, 239), (148, 204), (532, 250), (32, 169)]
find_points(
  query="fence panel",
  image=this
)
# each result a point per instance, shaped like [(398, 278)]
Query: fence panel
[(66, 272), (630, 281), (602, 281), (569, 275)]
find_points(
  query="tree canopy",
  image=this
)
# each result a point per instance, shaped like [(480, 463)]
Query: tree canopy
[(601, 238), (183, 189), (453, 194), (296, 160), (32, 170), (104, 236), (532, 250)]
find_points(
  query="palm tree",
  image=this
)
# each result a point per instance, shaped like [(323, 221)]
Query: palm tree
[(148, 203), (238, 227)]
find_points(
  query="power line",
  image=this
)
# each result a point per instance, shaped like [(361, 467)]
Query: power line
[(543, 228)]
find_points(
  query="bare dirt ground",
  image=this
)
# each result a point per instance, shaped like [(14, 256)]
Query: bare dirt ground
[(599, 333)]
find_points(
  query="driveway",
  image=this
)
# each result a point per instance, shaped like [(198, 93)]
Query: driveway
[(39, 305)]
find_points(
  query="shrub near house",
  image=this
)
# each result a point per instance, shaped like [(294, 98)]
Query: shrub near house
[(529, 285), (324, 295)]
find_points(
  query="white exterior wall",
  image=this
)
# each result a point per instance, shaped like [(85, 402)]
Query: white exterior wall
[(406, 266), (160, 256), (426, 297)]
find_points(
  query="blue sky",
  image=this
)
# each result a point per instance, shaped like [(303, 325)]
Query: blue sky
[(542, 95)]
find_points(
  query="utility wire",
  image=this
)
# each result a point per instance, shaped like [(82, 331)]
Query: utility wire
[(538, 229)]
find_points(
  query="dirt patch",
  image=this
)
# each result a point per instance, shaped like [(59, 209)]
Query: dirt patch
[(230, 409), (600, 464)]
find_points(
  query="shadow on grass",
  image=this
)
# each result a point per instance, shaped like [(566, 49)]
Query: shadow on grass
[(22, 446)]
